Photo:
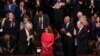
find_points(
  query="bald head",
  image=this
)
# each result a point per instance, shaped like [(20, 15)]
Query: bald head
[(79, 24), (79, 14), (67, 19)]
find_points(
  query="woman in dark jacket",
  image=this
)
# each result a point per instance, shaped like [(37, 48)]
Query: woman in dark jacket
[(9, 24), (95, 31)]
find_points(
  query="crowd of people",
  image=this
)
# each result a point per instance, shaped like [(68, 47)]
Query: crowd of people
[(75, 22)]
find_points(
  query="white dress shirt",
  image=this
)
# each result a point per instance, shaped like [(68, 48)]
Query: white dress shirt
[(28, 36), (78, 33), (41, 22)]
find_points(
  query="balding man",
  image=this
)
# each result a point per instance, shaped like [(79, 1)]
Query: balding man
[(81, 37), (79, 14), (68, 38), (25, 39)]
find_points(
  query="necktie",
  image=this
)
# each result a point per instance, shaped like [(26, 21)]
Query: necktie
[(10, 7), (8, 44), (41, 23), (76, 38), (75, 41)]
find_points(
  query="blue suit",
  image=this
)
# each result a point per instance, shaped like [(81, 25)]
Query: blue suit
[(6, 8)]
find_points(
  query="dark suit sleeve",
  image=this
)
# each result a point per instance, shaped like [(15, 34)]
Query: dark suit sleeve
[(7, 25), (22, 36), (84, 34), (35, 23), (47, 20), (70, 29), (14, 42)]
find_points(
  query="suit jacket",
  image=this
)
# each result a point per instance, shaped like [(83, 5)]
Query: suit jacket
[(23, 43), (82, 40), (8, 28), (67, 41), (8, 46), (6, 8), (69, 29), (18, 13), (11, 42), (36, 22)]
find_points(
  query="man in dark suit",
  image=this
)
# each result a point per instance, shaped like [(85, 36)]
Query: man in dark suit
[(58, 7), (9, 6), (40, 22), (68, 38), (26, 40), (20, 11), (81, 38)]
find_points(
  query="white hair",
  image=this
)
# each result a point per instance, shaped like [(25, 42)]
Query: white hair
[(28, 24)]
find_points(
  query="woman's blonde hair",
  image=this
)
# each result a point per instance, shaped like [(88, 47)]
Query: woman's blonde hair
[(83, 19), (7, 15)]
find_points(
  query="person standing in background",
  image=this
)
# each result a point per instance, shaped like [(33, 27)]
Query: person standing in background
[(26, 19), (26, 38), (9, 6), (58, 13), (96, 31), (81, 39), (68, 37), (9, 24), (40, 22), (20, 11)]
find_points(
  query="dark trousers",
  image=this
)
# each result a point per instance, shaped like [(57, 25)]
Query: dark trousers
[(39, 33), (69, 47)]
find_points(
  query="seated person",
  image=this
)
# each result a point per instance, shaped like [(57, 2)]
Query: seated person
[(8, 45)]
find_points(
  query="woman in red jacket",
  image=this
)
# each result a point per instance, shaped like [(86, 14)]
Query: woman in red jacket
[(47, 40)]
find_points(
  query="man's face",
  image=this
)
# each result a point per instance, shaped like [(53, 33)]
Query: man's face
[(79, 14), (40, 14), (78, 24), (28, 27), (66, 20), (98, 19), (22, 4), (7, 37)]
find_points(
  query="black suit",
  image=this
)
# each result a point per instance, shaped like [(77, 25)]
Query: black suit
[(68, 42), (36, 22), (82, 41), (37, 8), (23, 46), (18, 13), (58, 15), (37, 25)]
